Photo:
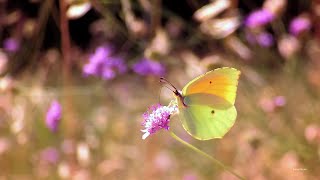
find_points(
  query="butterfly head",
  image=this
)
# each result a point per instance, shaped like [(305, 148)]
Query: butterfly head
[(176, 92)]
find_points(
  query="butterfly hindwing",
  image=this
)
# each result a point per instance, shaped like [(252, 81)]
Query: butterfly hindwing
[(204, 122)]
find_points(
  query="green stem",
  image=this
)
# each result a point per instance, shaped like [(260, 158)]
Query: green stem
[(206, 155)]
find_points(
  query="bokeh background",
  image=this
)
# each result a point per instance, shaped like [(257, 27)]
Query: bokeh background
[(77, 75)]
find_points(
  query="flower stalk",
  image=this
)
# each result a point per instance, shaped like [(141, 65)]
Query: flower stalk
[(214, 160)]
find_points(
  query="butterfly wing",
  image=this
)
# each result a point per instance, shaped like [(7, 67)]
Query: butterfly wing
[(205, 122), (221, 82)]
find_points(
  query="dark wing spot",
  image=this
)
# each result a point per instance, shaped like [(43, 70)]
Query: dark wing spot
[(210, 82), (212, 112)]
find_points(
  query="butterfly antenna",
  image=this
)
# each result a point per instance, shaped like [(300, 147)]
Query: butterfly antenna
[(163, 80)]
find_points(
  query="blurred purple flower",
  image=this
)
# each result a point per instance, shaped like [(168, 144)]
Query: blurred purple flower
[(53, 116), (265, 39), (50, 155), (279, 101), (156, 118), (102, 64), (259, 18), (11, 45), (299, 25), (149, 67)]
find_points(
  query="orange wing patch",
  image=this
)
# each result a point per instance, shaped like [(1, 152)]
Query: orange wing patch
[(221, 82)]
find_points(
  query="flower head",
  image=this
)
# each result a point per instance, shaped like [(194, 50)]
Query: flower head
[(53, 116), (259, 18), (299, 25), (157, 117), (11, 45), (279, 101), (103, 65), (264, 39), (149, 67)]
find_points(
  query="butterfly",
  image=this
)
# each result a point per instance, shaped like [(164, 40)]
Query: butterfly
[(206, 104)]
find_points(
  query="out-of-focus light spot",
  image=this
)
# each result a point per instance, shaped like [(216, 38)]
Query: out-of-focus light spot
[(108, 166), (276, 7), (76, 10), (4, 145), (83, 154), (81, 174), (312, 133), (49, 155), (190, 176), (64, 170), (288, 46), (68, 146), (220, 28), (6, 83), (3, 62), (238, 47), (211, 10), (18, 115), (163, 161)]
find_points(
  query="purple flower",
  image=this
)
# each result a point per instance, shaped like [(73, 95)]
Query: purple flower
[(265, 39), (299, 25), (53, 116), (279, 101), (103, 65), (149, 67), (156, 118), (259, 18), (11, 45), (50, 155)]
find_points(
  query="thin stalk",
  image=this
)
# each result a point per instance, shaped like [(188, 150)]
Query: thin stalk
[(71, 123), (214, 160)]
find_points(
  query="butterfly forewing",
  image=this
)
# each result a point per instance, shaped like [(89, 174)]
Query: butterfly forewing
[(221, 82)]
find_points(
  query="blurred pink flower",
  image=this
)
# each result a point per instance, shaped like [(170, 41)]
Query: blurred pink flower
[(156, 118), (259, 18), (299, 25), (49, 155), (53, 116), (271, 104), (312, 133), (190, 176), (288, 46)]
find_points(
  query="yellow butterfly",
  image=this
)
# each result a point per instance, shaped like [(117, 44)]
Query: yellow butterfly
[(206, 104)]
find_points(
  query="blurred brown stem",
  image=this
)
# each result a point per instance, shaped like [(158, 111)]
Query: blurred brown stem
[(67, 81), (155, 16)]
